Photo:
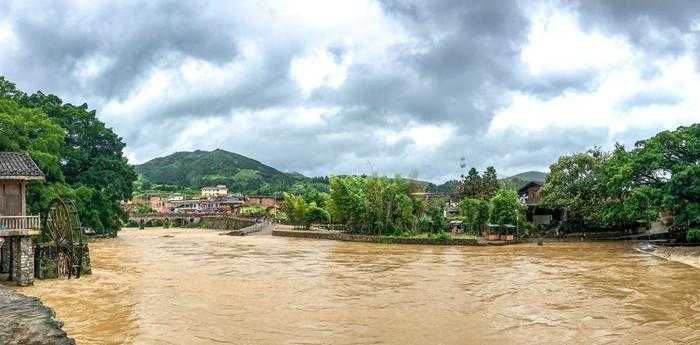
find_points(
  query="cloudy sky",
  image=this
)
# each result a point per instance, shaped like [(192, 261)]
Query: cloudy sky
[(359, 86)]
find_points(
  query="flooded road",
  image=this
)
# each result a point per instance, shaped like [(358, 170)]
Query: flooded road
[(198, 287)]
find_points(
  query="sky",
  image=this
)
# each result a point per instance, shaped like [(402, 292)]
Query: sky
[(363, 86)]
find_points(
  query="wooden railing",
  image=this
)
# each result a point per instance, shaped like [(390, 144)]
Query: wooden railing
[(19, 222)]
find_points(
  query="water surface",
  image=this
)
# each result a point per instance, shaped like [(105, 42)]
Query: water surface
[(198, 287)]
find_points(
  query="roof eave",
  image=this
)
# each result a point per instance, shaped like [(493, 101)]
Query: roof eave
[(22, 178)]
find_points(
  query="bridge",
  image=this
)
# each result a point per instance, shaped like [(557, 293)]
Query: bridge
[(181, 219)]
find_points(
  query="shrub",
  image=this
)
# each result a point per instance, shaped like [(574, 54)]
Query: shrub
[(475, 213), (693, 235), (443, 236)]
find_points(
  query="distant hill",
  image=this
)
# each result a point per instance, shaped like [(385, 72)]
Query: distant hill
[(515, 181), (530, 176), (204, 168), (246, 175), (520, 180)]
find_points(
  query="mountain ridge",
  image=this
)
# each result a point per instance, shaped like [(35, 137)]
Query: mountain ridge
[(199, 168)]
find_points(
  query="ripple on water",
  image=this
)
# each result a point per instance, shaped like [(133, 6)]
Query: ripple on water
[(197, 287)]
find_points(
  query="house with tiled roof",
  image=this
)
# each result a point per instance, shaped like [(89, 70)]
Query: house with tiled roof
[(16, 227)]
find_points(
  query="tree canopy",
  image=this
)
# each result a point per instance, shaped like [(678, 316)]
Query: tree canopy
[(660, 174), (81, 157)]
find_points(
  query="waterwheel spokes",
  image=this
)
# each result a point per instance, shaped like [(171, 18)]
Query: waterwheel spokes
[(62, 227)]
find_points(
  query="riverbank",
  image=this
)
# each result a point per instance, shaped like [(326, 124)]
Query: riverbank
[(687, 255), (339, 236), (25, 320)]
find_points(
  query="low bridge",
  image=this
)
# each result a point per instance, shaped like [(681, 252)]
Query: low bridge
[(181, 219)]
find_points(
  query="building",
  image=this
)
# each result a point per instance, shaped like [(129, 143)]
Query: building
[(16, 227), (536, 214), (212, 192), (264, 201), (230, 205), (176, 197), (530, 193)]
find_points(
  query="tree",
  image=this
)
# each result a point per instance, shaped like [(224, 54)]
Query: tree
[(435, 216), (81, 157), (480, 187), (315, 214), (475, 212), (575, 184), (489, 184), (374, 205), (660, 174), (504, 207)]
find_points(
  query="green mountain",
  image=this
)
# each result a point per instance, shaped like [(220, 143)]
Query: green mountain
[(206, 168), (193, 170), (520, 180), (530, 176)]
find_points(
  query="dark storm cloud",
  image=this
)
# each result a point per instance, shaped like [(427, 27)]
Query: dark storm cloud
[(456, 70), (650, 97), (465, 57), (655, 26), (134, 37)]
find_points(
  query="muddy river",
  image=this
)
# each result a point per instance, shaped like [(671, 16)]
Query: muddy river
[(197, 287)]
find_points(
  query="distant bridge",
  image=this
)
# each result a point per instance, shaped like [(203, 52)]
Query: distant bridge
[(182, 218)]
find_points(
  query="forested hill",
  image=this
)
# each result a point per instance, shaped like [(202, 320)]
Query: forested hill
[(204, 168), (248, 176)]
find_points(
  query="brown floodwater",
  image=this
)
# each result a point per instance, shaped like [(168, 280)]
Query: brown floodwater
[(198, 287)]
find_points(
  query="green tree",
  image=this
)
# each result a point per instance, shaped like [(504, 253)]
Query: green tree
[(374, 205), (315, 214), (575, 184), (475, 212), (659, 174), (82, 159), (480, 187), (504, 207)]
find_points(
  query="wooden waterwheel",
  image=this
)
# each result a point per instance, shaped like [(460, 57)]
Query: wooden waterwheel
[(62, 227)]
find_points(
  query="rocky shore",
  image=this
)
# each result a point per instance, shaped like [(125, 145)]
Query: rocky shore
[(687, 255), (25, 320)]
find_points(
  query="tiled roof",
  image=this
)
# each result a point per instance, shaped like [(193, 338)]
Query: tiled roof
[(14, 164)]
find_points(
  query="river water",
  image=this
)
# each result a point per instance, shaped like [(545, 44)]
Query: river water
[(198, 287)]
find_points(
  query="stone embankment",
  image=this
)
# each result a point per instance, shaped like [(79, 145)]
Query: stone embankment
[(339, 236), (687, 255), (25, 320), (257, 227)]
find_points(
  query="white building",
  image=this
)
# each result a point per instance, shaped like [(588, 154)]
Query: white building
[(212, 192)]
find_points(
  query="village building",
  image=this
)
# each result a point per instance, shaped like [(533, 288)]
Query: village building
[(539, 216), (230, 205), (264, 201), (212, 192), (16, 227)]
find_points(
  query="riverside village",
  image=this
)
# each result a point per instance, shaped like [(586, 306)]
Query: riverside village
[(349, 172)]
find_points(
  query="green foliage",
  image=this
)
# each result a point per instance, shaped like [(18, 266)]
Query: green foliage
[(623, 187), (475, 213), (443, 236), (253, 211), (315, 214), (81, 157), (373, 205), (239, 173), (145, 209), (479, 187), (434, 219), (575, 184), (383, 206), (504, 207), (693, 235)]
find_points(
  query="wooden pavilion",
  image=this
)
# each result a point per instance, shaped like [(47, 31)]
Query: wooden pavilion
[(16, 227)]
